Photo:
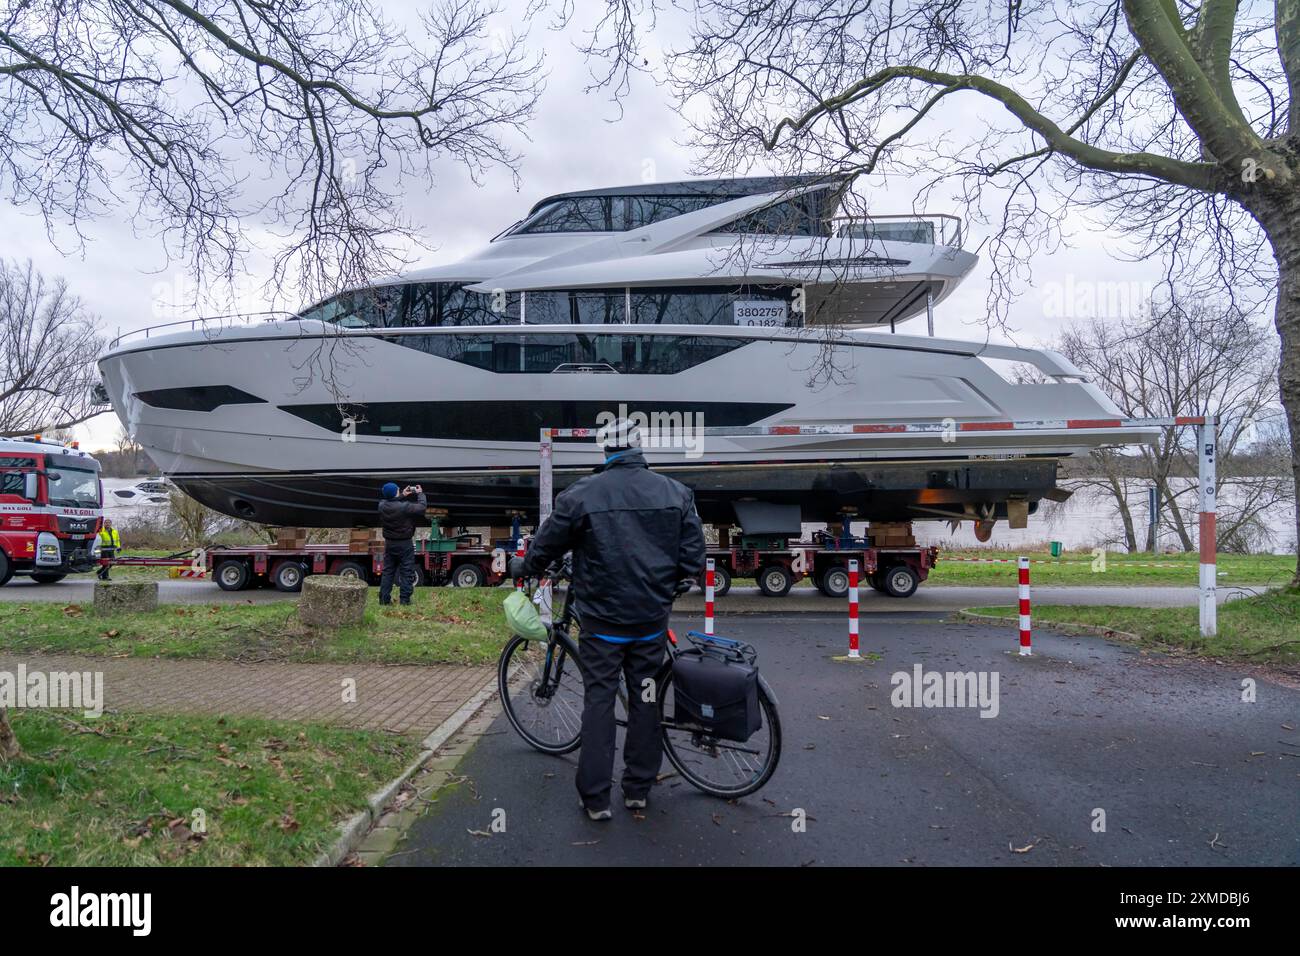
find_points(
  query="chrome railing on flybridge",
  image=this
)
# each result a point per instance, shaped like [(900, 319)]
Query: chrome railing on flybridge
[(215, 322)]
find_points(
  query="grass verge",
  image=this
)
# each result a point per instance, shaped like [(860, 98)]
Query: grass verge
[(139, 789), (1264, 629), (1119, 569), (441, 626)]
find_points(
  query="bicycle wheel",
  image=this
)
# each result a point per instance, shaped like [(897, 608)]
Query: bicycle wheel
[(541, 692), (722, 768)]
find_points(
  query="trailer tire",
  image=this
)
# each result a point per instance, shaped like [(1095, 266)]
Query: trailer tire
[(775, 580), (287, 576), (232, 575), (47, 577), (834, 581), (900, 581), (352, 569), (721, 581), (468, 575), (6, 570)]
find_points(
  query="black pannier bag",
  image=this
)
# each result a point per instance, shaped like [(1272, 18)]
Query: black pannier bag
[(717, 688)]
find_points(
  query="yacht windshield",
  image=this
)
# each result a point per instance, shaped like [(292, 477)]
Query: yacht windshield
[(73, 487)]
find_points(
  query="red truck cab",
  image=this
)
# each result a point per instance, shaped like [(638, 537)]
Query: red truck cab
[(51, 508)]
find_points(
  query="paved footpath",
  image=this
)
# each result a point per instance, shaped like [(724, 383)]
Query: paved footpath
[(401, 699)]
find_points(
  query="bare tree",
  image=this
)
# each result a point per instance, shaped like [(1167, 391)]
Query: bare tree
[(48, 348), (1187, 355), (1175, 121), (160, 106), (128, 453)]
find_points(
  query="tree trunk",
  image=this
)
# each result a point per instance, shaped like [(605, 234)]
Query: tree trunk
[(1125, 515), (1281, 222), (9, 748)]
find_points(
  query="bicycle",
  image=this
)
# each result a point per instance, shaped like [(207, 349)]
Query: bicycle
[(541, 692)]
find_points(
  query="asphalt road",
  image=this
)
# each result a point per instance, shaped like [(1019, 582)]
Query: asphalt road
[(1186, 773), (80, 589)]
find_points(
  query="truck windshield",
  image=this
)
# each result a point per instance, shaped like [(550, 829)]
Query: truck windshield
[(74, 488)]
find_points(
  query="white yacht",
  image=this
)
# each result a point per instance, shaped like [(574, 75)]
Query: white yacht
[(723, 302)]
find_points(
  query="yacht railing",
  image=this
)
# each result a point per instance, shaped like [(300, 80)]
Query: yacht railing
[(230, 320), (938, 229)]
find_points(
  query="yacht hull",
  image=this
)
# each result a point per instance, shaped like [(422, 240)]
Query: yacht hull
[(879, 491), (299, 423)]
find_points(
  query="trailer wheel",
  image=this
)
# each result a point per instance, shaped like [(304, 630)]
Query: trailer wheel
[(900, 581), (287, 576), (6, 571), (468, 575), (876, 583), (47, 577), (721, 581), (352, 569), (775, 580), (232, 575), (835, 581)]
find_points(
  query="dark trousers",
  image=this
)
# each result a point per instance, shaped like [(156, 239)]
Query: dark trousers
[(103, 568), (602, 662), (399, 557)]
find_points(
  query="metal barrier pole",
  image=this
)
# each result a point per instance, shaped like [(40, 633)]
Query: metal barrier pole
[(544, 486), (854, 654), (708, 595), (1025, 626), (1207, 441)]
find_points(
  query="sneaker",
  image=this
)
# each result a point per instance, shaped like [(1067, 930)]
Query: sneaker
[(598, 815), (385, 603), (634, 803)]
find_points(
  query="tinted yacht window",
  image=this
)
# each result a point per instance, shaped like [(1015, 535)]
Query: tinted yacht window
[(360, 309), (584, 306), (705, 305), (589, 354)]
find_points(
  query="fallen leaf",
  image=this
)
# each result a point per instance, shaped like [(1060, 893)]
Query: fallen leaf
[(1023, 849)]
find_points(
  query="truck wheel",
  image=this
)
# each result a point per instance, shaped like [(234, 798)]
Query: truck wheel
[(835, 582), (47, 577), (6, 570), (775, 580), (900, 581), (232, 575), (287, 576), (352, 569), (468, 575)]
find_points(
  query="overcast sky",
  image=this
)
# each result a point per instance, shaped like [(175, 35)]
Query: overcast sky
[(573, 145)]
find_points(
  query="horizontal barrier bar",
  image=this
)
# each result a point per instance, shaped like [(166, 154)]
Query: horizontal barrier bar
[(919, 428)]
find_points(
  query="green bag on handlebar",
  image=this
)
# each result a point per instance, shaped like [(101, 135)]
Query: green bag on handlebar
[(522, 616)]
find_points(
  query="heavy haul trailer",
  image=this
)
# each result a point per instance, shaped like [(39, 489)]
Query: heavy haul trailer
[(461, 561), (776, 566)]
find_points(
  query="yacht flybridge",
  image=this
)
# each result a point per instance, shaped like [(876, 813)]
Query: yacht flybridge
[(711, 303)]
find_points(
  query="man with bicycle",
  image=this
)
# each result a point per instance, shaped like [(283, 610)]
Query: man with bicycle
[(634, 536)]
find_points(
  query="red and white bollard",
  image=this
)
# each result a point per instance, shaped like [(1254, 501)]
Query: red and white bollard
[(853, 611), (708, 596), (1024, 606)]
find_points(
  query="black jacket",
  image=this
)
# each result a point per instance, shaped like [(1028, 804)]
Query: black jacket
[(634, 534), (398, 516)]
